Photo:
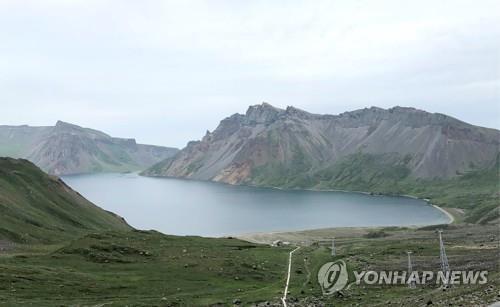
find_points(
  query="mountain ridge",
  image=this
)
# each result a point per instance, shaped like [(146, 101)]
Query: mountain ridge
[(433, 145), (66, 148)]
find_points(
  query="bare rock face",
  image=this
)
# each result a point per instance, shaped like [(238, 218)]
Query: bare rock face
[(69, 149), (271, 146)]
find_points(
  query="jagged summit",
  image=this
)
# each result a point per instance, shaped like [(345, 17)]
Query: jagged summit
[(266, 113), (263, 113), (61, 123), (65, 127), (266, 109)]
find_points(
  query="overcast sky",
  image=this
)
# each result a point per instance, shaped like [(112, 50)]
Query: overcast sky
[(164, 72)]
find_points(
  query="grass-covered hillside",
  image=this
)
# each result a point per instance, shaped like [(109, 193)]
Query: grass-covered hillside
[(146, 268), (139, 268), (475, 191), (38, 208)]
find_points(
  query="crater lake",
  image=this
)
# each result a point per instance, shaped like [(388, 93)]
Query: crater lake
[(187, 207)]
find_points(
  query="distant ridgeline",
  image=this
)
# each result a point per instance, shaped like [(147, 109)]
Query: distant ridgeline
[(394, 151), (39, 208), (69, 149)]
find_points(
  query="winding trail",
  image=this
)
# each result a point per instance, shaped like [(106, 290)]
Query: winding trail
[(283, 299)]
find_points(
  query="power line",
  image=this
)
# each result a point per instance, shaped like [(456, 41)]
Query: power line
[(411, 283), (445, 267), (333, 247)]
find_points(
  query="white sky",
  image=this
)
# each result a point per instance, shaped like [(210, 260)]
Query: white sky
[(163, 72)]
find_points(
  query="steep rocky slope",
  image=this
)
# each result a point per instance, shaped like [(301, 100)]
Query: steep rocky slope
[(36, 207), (69, 149), (294, 148)]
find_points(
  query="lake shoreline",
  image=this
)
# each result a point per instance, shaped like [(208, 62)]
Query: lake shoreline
[(451, 218), (426, 200), (215, 209)]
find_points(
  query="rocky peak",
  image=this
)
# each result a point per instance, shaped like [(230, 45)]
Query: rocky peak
[(67, 128), (64, 125), (399, 109), (262, 114), (293, 111), (415, 117), (409, 116), (125, 142)]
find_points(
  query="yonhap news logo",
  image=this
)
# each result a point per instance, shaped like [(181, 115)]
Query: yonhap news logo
[(334, 276), (421, 277)]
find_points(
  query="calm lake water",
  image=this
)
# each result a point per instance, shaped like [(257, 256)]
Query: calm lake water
[(185, 207)]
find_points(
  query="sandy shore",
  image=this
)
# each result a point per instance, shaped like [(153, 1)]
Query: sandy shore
[(306, 235), (448, 214)]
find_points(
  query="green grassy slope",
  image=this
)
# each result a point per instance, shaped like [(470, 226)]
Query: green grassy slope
[(36, 207), (139, 268), (476, 191)]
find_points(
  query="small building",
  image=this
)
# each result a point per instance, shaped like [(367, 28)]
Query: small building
[(277, 243)]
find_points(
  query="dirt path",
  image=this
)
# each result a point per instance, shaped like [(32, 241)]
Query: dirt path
[(283, 299)]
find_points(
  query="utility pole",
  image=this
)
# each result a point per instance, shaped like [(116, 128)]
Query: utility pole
[(411, 284), (445, 268), (333, 247)]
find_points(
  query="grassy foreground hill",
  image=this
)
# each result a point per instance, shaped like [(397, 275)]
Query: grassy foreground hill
[(39, 208), (139, 268), (146, 268)]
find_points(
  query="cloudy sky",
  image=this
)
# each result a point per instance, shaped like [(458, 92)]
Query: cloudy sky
[(164, 72)]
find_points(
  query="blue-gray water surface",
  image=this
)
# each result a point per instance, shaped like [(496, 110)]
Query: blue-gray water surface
[(185, 207)]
